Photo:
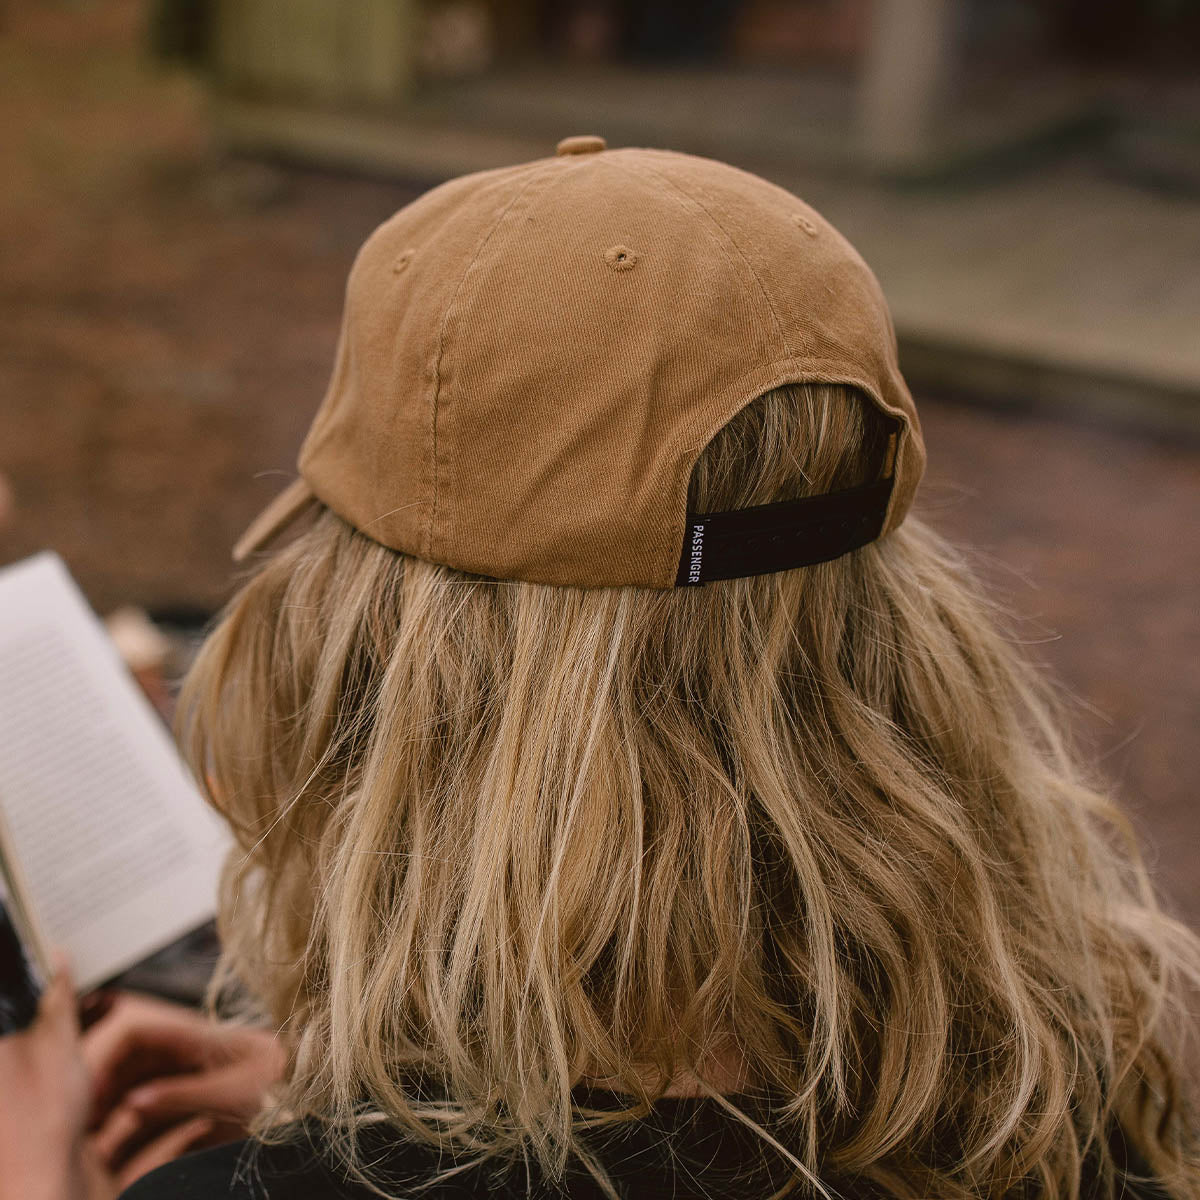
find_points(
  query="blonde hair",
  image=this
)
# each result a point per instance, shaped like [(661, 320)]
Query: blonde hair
[(499, 838)]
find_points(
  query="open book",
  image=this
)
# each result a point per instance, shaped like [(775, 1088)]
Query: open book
[(106, 848)]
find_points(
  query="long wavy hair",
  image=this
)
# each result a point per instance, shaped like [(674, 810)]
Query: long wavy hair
[(497, 839)]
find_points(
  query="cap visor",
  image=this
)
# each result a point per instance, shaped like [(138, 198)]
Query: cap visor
[(274, 519)]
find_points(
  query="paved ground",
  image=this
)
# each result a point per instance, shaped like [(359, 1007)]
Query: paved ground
[(167, 321)]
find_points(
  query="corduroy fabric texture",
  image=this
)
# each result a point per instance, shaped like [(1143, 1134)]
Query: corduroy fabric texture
[(532, 358)]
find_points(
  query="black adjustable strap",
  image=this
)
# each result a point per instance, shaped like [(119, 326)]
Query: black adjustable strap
[(779, 536)]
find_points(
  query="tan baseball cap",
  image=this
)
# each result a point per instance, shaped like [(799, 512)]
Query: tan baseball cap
[(531, 360)]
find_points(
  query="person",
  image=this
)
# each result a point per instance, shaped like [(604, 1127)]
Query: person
[(632, 797)]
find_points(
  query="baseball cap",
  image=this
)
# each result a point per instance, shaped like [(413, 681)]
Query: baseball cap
[(532, 358)]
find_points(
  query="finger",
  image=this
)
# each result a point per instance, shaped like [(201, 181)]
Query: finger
[(170, 1145), (120, 1127), (138, 1039), (133, 1019), (219, 1092), (58, 1014), (229, 1092), (107, 1067), (98, 1182)]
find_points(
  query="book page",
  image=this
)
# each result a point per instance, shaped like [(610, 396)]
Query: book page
[(117, 850)]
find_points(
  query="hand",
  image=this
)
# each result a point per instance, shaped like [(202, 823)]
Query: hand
[(167, 1079), (44, 1107)]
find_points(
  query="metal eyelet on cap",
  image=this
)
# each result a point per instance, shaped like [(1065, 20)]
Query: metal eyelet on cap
[(582, 143)]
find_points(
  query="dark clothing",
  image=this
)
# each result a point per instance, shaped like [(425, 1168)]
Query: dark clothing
[(689, 1149), (19, 990)]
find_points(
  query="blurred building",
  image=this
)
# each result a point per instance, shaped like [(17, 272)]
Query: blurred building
[(843, 101), (915, 88)]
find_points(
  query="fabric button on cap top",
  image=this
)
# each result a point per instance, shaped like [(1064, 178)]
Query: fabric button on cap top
[(584, 143)]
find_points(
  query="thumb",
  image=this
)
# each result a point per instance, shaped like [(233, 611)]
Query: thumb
[(58, 1012)]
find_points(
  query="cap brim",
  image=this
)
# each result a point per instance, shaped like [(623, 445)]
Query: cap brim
[(274, 519)]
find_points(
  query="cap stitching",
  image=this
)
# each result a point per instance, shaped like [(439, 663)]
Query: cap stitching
[(687, 195), (550, 173), (907, 440), (542, 167), (679, 522)]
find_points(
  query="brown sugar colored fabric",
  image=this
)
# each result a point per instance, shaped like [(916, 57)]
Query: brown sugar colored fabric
[(532, 358)]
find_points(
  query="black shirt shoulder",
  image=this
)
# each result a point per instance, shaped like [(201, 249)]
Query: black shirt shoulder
[(241, 1169), (291, 1170), (688, 1151)]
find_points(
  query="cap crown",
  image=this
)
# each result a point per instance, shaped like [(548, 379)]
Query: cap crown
[(531, 359)]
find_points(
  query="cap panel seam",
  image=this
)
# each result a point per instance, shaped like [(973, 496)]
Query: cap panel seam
[(537, 169), (683, 198), (910, 442), (732, 243)]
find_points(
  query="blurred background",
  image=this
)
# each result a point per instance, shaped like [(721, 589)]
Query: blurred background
[(185, 183)]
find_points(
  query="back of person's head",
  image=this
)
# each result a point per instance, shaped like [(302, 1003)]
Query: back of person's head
[(814, 838)]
